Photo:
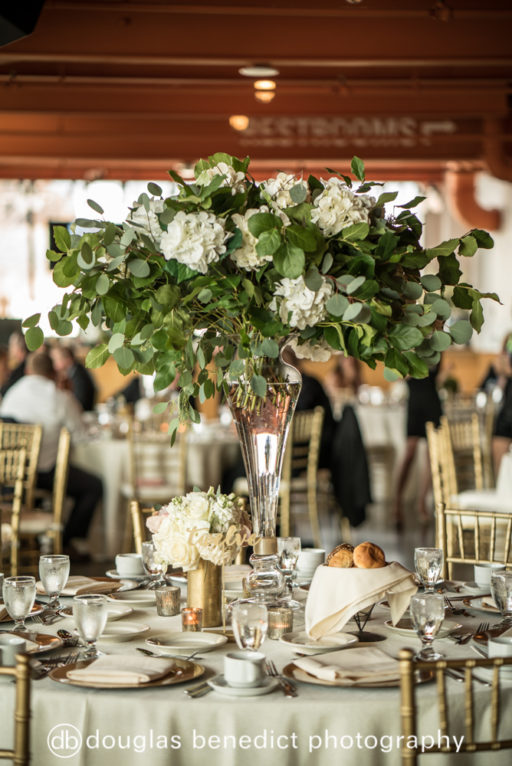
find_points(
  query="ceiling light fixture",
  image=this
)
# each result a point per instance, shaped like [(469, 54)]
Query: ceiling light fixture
[(239, 122), (265, 96), (258, 70), (264, 85)]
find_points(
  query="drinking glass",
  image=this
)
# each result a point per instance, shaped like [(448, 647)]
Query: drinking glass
[(429, 564), (90, 613), (427, 615), (153, 568), (19, 595), (250, 623), (501, 589), (54, 573)]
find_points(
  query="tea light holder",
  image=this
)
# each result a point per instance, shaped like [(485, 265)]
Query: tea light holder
[(280, 621), (168, 600), (191, 619)]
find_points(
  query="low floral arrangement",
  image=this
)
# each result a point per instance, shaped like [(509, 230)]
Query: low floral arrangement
[(200, 525), (211, 283)]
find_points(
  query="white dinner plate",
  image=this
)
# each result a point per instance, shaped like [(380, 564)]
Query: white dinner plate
[(185, 643), (123, 631), (139, 597), (307, 645), (220, 685), (114, 575), (404, 627), (117, 611), (472, 587)]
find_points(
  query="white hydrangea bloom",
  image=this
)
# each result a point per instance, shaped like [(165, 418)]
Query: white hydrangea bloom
[(233, 178), (195, 239), (146, 220), (300, 307), (246, 256), (279, 189), (338, 206), (174, 547), (316, 351)]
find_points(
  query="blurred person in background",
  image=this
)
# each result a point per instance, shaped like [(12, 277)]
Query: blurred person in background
[(35, 398), (499, 377), (17, 352), (4, 366), (73, 376)]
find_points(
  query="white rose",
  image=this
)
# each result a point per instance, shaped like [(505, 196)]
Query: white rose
[(197, 506), (195, 239), (175, 549), (299, 306)]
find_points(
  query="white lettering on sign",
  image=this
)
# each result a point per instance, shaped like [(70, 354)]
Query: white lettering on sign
[(342, 131)]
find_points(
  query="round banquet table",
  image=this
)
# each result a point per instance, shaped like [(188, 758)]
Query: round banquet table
[(321, 726)]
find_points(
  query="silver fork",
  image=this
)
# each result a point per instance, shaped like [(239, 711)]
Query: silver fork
[(289, 689)]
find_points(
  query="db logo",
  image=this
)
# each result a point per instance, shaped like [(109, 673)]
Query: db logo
[(64, 740)]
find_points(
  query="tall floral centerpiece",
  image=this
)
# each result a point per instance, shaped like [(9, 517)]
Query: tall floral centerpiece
[(209, 284), (200, 532)]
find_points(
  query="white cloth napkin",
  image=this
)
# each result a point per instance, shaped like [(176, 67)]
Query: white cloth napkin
[(352, 666), (337, 594), (77, 585), (489, 601), (123, 669)]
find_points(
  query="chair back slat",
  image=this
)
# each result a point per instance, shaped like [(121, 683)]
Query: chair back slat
[(13, 466), (20, 753), (28, 437)]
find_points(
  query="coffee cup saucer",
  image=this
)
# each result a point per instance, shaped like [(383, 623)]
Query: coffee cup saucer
[(474, 587), (220, 685)]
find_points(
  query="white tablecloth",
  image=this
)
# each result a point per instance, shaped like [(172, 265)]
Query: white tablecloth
[(322, 725), (499, 499)]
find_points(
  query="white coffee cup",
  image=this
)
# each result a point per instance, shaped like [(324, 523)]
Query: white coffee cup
[(500, 646), (10, 646), (244, 668), (310, 558), (483, 572), (129, 564)]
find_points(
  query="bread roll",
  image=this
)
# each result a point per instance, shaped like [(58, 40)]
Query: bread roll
[(342, 556), (369, 556)]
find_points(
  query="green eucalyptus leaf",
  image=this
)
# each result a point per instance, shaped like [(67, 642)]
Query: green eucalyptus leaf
[(116, 342), (355, 232), (138, 267), (289, 260), (154, 189), (353, 312), (405, 337), (413, 290), (355, 284), (34, 338), (102, 284), (440, 340), (442, 308), (95, 206), (86, 259), (461, 331), (97, 356), (259, 385), (431, 282), (268, 243), (477, 315), (260, 222), (299, 193), (468, 246), (483, 238), (62, 238), (314, 279), (124, 358), (31, 321), (357, 167)]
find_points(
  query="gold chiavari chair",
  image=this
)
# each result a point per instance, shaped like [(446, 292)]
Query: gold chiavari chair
[(464, 452), (474, 537), (28, 437), (300, 483), (20, 753), (472, 741), (12, 473), (138, 522)]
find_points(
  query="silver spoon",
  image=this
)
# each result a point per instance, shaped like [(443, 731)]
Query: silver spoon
[(148, 653)]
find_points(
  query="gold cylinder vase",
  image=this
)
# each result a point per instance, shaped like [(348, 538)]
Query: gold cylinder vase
[(204, 586)]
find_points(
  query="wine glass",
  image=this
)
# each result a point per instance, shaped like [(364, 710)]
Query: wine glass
[(54, 573), (90, 613), (152, 567), (19, 595), (289, 549), (427, 615), (501, 589), (250, 623), (429, 564)]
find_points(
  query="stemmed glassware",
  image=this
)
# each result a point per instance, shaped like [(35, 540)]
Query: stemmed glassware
[(19, 594), (90, 613), (54, 573), (427, 615), (429, 565), (501, 589), (289, 549), (250, 622), (152, 567)]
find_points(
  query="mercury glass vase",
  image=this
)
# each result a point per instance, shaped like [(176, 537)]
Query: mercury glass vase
[(262, 424)]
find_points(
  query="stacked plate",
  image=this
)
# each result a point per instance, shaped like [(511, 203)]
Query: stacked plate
[(307, 563)]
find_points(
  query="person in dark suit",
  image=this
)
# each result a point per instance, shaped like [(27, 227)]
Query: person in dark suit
[(73, 376), (17, 353)]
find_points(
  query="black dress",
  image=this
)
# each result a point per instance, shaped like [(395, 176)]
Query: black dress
[(424, 403)]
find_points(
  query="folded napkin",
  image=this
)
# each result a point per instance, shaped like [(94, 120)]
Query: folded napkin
[(77, 585), (4, 614), (364, 664), (335, 595), (123, 669), (489, 601)]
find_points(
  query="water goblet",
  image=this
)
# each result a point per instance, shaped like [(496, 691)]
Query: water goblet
[(427, 615), (429, 564), (90, 614), (152, 566), (501, 590), (289, 549), (54, 573), (19, 594), (249, 622)]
